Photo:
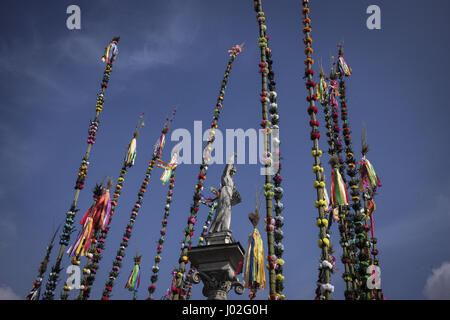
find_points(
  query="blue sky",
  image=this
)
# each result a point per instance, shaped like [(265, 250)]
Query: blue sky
[(174, 53)]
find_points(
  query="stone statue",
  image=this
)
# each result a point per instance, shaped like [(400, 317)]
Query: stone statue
[(228, 197)]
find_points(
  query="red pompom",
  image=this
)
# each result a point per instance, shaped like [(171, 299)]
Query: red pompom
[(310, 84), (312, 109), (309, 72)]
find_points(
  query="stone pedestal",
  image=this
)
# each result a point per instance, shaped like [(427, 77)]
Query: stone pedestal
[(221, 237), (216, 265)]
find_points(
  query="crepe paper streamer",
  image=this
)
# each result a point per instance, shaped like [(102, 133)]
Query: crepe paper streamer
[(168, 168), (177, 293), (111, 51), (81, 176), (130, 156), (134, 278), (345, 69), (321, 90), (254, 273), (321, 204), (93, 220), (117, 263), (339, 195), (159, 248), (368, 181)]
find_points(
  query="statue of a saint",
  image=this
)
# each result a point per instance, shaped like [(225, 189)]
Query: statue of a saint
[(228, 197)]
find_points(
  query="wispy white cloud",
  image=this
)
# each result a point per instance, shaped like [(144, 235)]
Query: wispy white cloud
[(166, 44), (437, 286), (6, 293)]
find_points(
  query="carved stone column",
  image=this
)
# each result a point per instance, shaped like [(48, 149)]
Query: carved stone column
[(216, 266)]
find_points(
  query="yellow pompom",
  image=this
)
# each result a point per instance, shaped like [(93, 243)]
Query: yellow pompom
[(325, 222), (280, 277), (280, 261), (318, 222), (179, 275), (317, 153)]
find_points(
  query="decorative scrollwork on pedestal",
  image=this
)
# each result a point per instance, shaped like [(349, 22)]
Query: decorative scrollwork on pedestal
[(238, 287), (195, 277)]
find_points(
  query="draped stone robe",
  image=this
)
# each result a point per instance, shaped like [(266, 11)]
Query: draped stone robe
[(228, 197)]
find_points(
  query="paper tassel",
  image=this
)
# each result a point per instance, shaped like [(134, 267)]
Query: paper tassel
[(159, 146), (111, 52), (321, 90), (131, 154), (83, 240), (168, 167), (369, 181), (96, 218), (345, 69), (339, 195), (134, 279), (254, 271)]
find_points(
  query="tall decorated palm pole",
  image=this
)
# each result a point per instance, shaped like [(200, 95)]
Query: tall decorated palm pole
[(272, 161), (211, 203), (368, 184), (359, 220), (177, 289), (36, 289), (324, 287), (327, 95), (117, 263), (94, 254), (168, 175), (109, 57)]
